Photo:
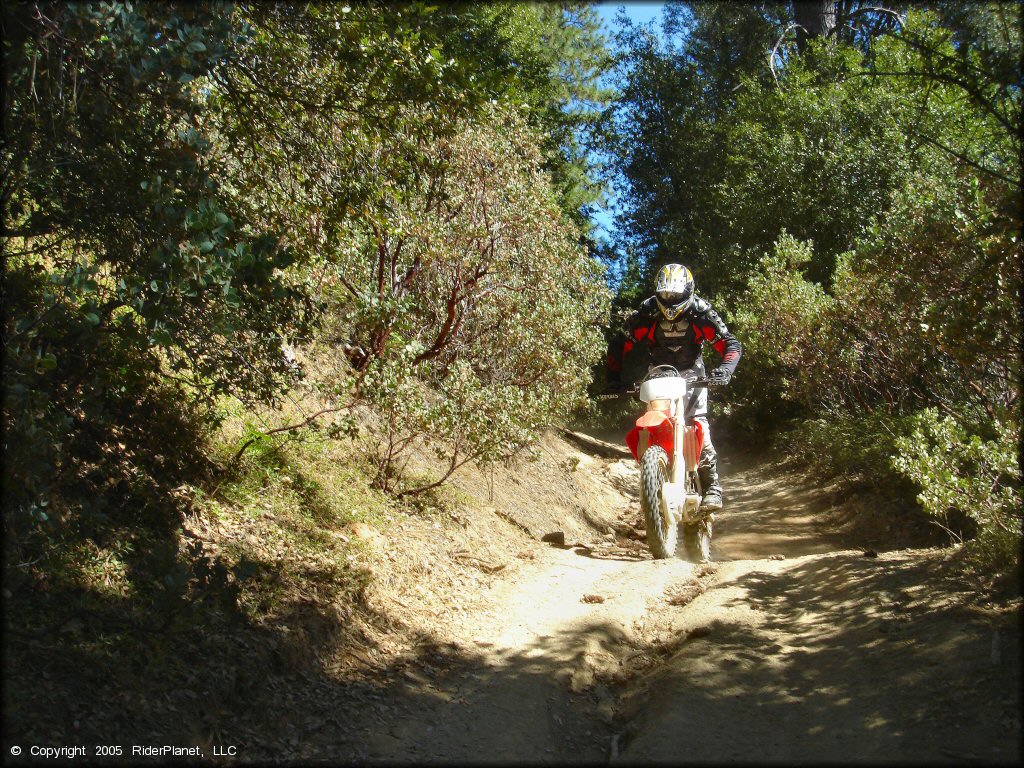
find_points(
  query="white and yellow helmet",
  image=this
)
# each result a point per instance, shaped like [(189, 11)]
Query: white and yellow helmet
[(673, 290)]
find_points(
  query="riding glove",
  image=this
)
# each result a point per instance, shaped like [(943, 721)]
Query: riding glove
[(720, 376)]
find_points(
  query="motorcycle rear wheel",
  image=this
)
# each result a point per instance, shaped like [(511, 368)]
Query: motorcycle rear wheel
[(662, 536)]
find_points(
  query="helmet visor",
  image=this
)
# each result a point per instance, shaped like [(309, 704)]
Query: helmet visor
[(674, 298)]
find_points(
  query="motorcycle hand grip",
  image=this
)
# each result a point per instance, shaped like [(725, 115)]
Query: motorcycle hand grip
[(615, 395)]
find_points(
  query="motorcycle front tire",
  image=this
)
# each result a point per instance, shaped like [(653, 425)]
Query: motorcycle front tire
[(697, 540), (661, 535)]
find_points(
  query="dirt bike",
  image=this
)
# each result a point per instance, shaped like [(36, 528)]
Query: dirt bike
[(668, 449)]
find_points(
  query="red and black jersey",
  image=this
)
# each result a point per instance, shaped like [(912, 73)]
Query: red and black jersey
[(677, 343)]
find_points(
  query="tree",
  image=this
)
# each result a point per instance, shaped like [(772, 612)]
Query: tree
[(669, 133), (861, 205), (125, 272), (466, 334), (814, 19), (548, 57), (429, 216)]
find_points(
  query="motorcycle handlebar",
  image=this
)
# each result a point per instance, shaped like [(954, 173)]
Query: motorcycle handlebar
[(695, 382), (615, 395)]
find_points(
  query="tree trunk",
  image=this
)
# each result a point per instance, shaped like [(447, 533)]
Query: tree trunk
[(817, 18)]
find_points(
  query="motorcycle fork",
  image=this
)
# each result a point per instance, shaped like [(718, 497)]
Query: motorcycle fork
[(677, 466), (678, 430), (684, 467)]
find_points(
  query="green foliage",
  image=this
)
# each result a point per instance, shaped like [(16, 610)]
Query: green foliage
[(478, 311), (668, 133), (855, 200), (433, 219), (192, 188), (123, 268), (780, 379), (858, 449), (180, 182), (722, 154), (334, 105), (819, 157), (959, 471), (546, 57)]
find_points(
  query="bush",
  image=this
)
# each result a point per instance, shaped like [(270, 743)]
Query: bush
[(471, 305), (125, 272), (857, 448), (958, 471), (778, 319)]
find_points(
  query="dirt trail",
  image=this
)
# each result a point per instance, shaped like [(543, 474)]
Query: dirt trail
[(789, 647)]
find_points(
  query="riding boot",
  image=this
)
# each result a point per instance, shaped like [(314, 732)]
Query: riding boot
[(708, 473)]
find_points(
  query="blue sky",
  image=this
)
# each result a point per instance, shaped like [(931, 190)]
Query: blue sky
[(638, 13)]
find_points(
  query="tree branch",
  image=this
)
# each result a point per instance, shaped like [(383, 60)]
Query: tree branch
[(449, 327), (304, 422), (963, 158), (877, 9), (452, 467), (775, 50)]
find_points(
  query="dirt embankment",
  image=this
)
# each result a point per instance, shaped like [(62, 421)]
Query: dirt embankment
[(791, 646)]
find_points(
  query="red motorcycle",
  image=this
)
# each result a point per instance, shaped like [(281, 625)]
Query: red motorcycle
[(668, 449)]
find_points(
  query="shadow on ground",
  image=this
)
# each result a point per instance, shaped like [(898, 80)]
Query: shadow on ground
[(278, 700), (837, 659)]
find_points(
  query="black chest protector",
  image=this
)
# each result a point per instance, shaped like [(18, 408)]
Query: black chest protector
[(675, 343)]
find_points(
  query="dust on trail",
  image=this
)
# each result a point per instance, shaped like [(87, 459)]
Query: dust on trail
[(818, 654)]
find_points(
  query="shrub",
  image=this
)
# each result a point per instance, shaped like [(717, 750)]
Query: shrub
[(477, 326), (125, 272), (778, 320), (856, 447), (956, 470)]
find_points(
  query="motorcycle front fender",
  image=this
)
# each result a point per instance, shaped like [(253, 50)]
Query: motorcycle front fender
[(659, 430)]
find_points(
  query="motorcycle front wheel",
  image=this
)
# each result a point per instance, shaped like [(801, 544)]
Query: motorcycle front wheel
[(661, 534), (697, 540)]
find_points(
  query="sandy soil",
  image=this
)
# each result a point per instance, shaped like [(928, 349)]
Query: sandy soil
[(791, 647)]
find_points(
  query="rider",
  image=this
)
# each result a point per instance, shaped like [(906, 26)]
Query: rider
[(675, 323)]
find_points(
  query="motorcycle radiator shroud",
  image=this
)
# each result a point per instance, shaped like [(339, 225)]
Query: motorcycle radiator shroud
[(661, 432)]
